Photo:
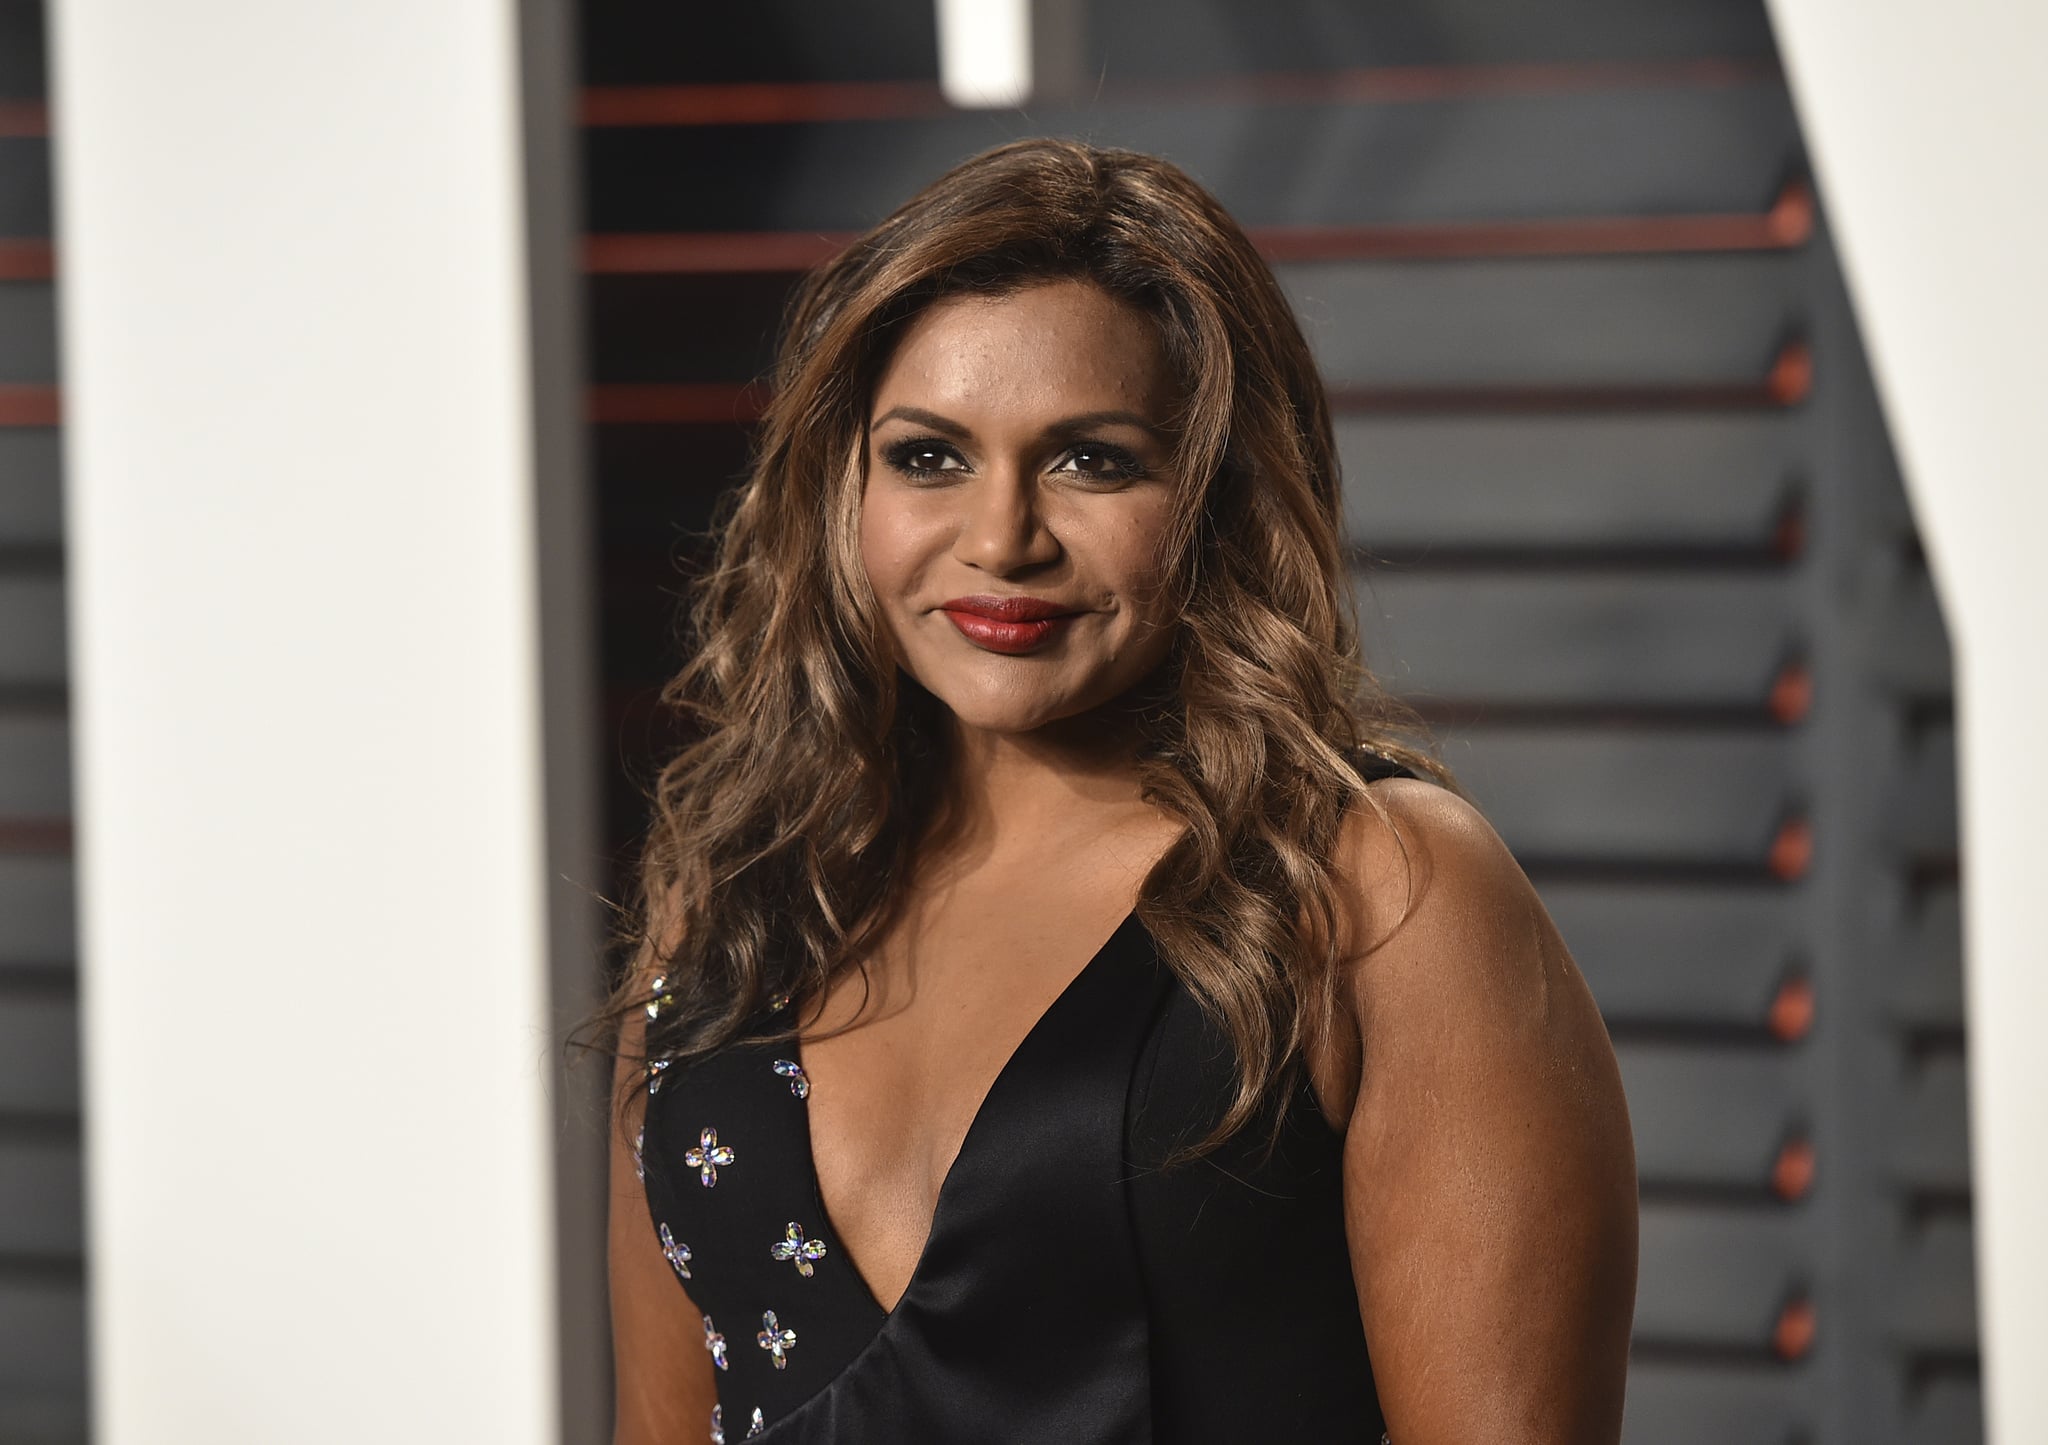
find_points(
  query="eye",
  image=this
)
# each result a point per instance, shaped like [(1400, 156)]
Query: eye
[(922, 456), (1101, 462)]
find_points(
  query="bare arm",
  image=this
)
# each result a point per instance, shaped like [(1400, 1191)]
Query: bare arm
[(1489, 1171), (664, 1383)]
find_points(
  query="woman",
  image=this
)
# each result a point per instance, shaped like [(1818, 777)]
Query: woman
[(1062, 1008)]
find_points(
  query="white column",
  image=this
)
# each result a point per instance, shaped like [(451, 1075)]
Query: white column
[(1930, 130), (301, 512)]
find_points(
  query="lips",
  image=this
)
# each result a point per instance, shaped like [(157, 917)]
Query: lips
[(1007, 624)]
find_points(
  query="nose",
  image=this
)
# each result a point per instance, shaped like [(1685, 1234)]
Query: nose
[(1004, 530)]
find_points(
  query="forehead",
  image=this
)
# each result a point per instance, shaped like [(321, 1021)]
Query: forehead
[(1057, 348)]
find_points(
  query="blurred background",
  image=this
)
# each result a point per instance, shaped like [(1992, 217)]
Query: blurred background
[(1629, 526), (1631, 533)]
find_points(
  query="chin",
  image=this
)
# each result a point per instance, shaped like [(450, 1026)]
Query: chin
[(994, 708), (1011, 716), (992, 693)]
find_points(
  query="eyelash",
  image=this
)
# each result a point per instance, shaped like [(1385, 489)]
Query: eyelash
[(899, 454)]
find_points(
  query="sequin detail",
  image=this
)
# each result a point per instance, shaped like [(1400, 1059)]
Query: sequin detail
[(678, 1255), (659, 999), (758, 1424), (640, 1164), (714, 1342), (654, 1068), (717, 1425), (793, 1246), (708, 1157), (799, 1082), (776, 1338)]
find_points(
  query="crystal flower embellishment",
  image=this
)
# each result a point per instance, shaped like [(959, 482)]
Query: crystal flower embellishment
[(708, 1156), (654, 1068), (793, 1246), (714, 1342), (678, 1255), (799, 1083), (658, 996), (755, 1427), (776, 1339), (717, 1425)]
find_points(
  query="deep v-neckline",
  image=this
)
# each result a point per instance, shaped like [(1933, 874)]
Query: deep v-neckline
[(975, 1128)]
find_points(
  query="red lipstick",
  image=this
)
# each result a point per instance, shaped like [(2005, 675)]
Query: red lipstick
[(1006, 624)]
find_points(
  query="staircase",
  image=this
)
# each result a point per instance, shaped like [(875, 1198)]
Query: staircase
[(42, 1227), (1631, 535)]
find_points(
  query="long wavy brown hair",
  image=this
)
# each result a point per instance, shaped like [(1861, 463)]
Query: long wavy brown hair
[(783, 827)]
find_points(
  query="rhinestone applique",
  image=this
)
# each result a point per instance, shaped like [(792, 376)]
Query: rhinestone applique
[(658, 999), (654, 1068), (757, 1424), (708, 1156), (678, 1255), (776, 1338), (714, 1342), (793, 1246), (717, 1425), (777, 1004), (799, 1083), (640, 1164)]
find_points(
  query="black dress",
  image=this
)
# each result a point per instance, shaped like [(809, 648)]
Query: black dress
[(1071, 1290)]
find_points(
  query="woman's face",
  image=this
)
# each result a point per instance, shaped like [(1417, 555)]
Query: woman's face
[(1017, 501)]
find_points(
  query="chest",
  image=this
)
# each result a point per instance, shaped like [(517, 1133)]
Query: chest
[(1059, 1248), (901, 1059)]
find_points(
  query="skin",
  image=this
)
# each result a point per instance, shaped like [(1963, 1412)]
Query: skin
[(1489, 1175)]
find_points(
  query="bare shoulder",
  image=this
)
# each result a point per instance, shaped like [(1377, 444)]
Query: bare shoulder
[(1454, 973), (1436, 908), (1490, 1181)]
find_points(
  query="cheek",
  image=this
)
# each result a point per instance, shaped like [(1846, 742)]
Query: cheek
[(897, 539), (880, 538), (1137, 553)]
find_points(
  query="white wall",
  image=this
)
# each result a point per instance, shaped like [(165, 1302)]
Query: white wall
[(301, 526), (1929, 126)]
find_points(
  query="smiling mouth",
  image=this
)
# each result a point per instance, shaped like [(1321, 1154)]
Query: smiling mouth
[(1009, 635)]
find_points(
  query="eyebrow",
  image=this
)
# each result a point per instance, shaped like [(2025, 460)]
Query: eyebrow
[(921, 417), (1066, 426)]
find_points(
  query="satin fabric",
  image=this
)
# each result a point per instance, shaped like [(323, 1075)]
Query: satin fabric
[(1072, 1289)]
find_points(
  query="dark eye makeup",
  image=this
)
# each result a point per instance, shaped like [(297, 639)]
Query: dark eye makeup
[(1101, 461), (930, 456), (922, 456)]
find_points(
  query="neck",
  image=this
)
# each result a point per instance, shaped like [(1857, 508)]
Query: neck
[(1023, 792)]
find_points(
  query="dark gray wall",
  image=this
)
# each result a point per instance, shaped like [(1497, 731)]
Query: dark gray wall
[(1675, 627), (1631, 537), (42, 1246)]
